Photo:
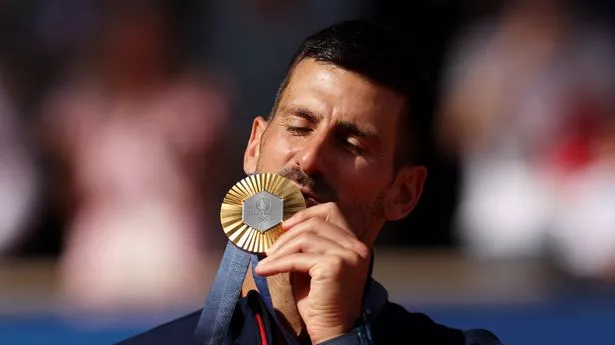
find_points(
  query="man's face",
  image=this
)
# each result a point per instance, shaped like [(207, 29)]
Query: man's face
[(334, 133)]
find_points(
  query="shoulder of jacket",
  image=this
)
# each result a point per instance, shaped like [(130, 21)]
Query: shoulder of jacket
[(395, 321), (176, 332), (481, 337)]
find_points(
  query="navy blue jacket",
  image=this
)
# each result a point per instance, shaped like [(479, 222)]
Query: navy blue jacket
[(395, 326), (384, 322)]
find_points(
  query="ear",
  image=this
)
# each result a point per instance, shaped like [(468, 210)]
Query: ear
[(252, 153), (405, 192)]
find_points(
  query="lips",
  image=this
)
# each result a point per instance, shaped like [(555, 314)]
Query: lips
[(310, 198), (309, 202)]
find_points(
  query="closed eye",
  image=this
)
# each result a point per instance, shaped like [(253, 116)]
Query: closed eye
[(295, 130), (351, 145)]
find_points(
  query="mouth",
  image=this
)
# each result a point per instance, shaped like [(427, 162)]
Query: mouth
[(309, 201), (310, 198)]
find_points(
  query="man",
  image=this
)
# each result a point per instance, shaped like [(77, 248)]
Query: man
[(342, 128)]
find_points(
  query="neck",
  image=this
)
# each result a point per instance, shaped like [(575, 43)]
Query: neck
[(248, 283), (282, 297)]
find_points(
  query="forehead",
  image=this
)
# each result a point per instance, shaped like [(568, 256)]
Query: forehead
[(341, 95)]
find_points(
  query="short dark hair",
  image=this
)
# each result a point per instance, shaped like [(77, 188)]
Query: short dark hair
[(384, 56)]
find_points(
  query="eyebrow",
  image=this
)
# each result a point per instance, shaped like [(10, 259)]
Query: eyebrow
[(352, 129), (301, 111)]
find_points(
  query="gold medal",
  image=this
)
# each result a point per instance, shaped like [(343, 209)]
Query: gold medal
[(254, 208)]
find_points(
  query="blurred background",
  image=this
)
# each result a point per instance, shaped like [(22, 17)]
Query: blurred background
[(123, 124)]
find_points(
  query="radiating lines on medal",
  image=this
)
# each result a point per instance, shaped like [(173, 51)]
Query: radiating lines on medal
[(255, 207)]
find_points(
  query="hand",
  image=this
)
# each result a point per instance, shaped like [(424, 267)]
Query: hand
[(329, 265)]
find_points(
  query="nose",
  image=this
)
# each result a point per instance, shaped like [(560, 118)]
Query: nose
[(312, 158)]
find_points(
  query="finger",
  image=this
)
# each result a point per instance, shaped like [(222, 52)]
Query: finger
[(298, 262), (315, 226), (312, 244), (328, 211)]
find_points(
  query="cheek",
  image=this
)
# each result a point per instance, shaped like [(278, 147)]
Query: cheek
[(364, 184), (275, 153)]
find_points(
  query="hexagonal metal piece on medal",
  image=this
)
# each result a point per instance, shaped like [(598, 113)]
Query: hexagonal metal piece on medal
[(255, 207)]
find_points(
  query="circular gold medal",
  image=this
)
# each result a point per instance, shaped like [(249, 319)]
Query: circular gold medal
[(254, 208)]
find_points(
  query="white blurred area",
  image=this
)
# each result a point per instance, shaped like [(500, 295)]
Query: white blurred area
[(19, 178), (528, 107), (137, 135)]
